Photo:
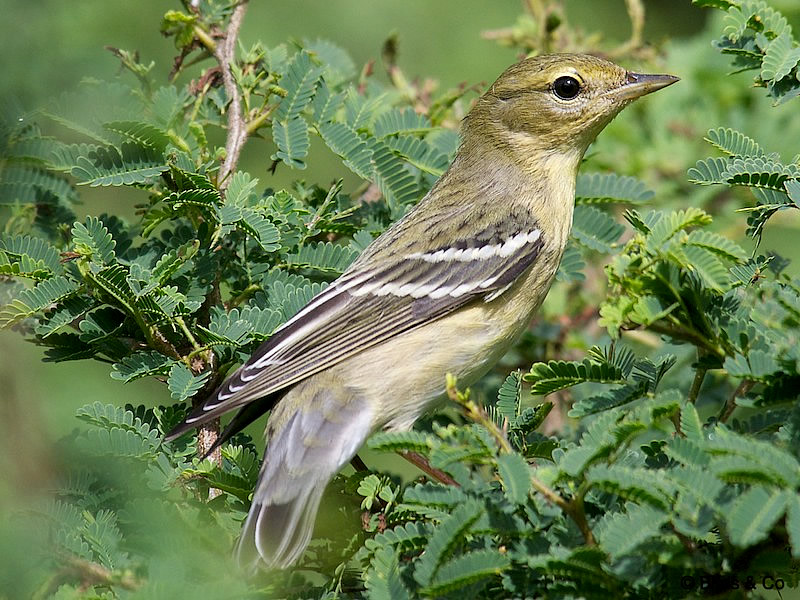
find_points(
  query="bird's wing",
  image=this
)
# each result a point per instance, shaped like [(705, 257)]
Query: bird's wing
[(368, 305)]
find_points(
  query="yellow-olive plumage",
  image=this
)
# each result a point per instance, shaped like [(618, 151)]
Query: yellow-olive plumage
[(447, 289)]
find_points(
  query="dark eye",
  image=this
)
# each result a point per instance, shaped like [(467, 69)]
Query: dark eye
[(566, 87)]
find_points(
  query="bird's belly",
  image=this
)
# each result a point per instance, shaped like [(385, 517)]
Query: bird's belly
[(406, 377)]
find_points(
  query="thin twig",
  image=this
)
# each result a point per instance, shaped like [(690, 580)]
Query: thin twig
[(477, 414), (538, 11), (359, 465), (699, 375), (573, 508), (422, 463), (205, 39), (92, 573), (262, 118), (681, 332), (636, 15), (225, 53), (730, 405)]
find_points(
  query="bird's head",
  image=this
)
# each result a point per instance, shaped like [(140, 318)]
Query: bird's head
[(558, 102)]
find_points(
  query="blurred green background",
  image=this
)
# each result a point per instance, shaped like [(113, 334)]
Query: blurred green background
[(50, 45)]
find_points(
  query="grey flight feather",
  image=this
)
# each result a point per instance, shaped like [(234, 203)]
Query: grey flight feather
[(304, 453)]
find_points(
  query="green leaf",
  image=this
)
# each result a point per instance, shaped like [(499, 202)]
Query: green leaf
[(113, 281), (183, 384), (261, 228), (24, 267), (733, 142), (445, 141), (620, 533), (396, 121), (748, 272), (609, 187), (793, 190), (383, 578), (408, 536), (606, 400), (516, 476), (241, 189), (33, 185), (36, 250), (336, 63), (299, 82), (109, 416), (636, 484), (781, 57), (127, 165), (757, 171), (793, 523), (36, 299), (168, 264), (434, 495), (708, 171), (419, 153), (508, 397), (723, 4), (444, 538), (648, 310), (276, 59), (117, 432), (664, 226), (350, 146), (758, 365), (742, 458), (595, 229), (141, 364), (754, 514), (398, 441), (719, 245), (396, 183), (572, 264), (325, 104), (119, 443), (289, 299), (227, 328), (555, 375), (360, 110), (94, 241), (262, 321), (323, 256), (64, 314), (708, 267), (291, 138), (467, 569), (141, 133), (691, 425)]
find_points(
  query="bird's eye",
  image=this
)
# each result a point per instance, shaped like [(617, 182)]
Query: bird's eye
[(566, 87)]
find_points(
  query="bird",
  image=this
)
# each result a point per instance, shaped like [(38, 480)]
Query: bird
[(447, 289)]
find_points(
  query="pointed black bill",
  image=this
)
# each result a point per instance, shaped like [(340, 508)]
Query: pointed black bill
[(639, 84)]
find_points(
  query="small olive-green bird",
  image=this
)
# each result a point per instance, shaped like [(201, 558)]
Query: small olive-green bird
[(447, 289)]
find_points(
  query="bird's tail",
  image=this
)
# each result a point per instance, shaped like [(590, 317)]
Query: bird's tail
[(314, 431)]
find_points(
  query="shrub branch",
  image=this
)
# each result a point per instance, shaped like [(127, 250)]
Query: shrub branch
[(225, 53)]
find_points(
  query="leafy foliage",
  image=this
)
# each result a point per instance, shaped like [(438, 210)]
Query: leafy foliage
[(760, 38), (612, 461)]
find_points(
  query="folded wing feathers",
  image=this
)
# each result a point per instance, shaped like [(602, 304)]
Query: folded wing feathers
[(367, 306)]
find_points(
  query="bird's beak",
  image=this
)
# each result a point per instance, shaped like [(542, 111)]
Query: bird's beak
[(639, 84)]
